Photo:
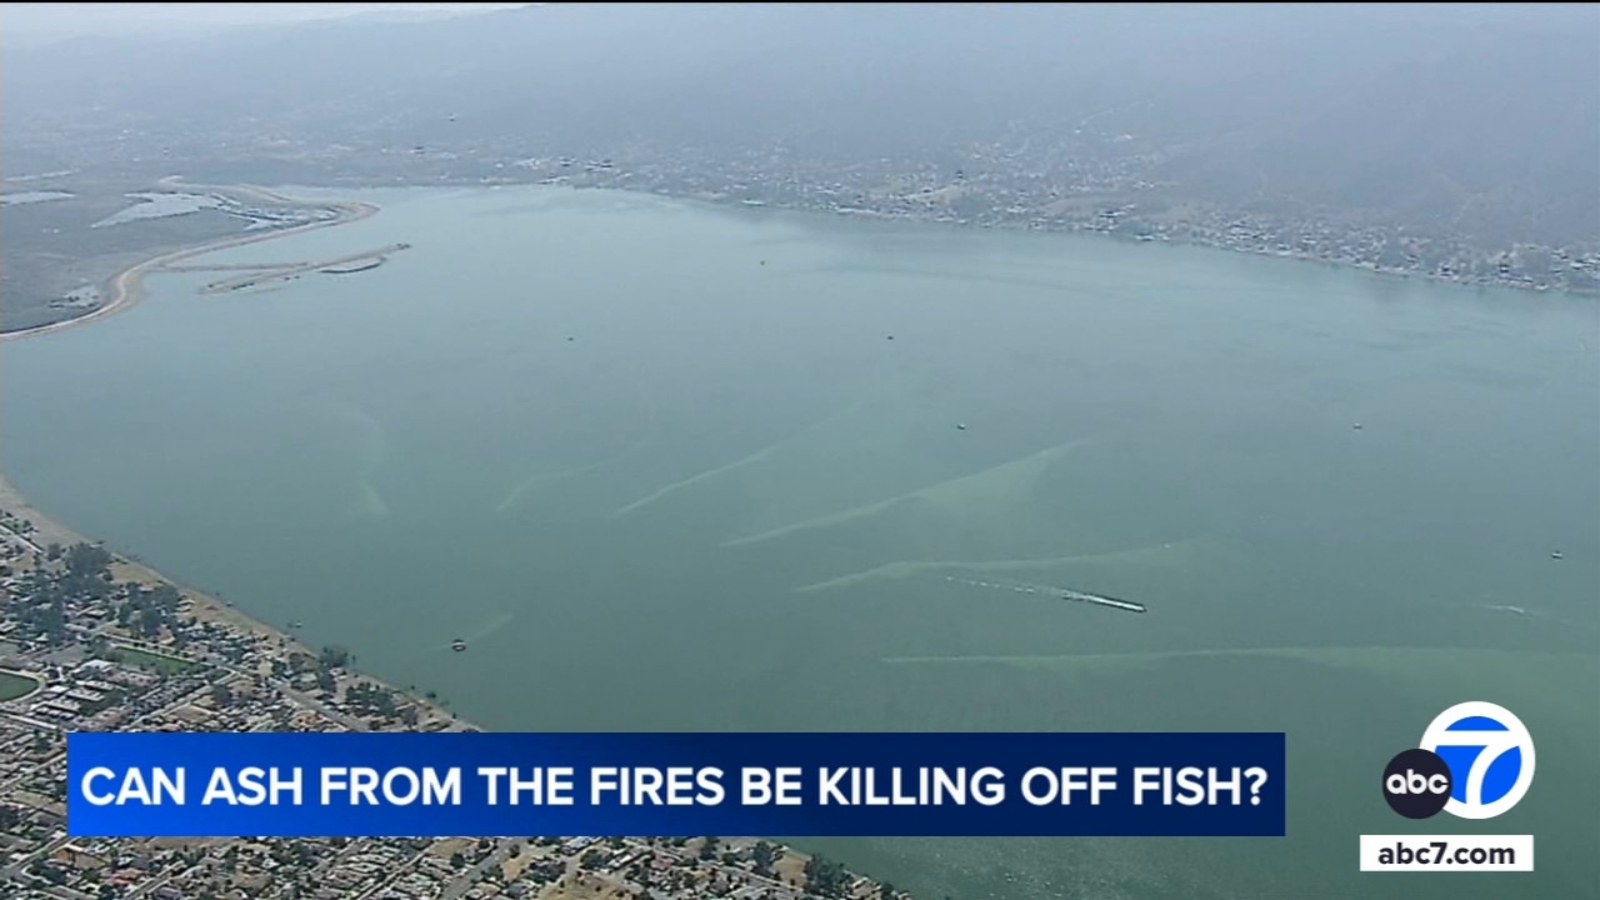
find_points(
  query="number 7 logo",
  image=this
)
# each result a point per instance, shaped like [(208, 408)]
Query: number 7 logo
[(1490, 755)]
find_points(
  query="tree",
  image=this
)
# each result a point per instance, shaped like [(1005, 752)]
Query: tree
[(54, 622), (150, 622), (87, 560), (457, 861), (825, 877), (166, 598), (763, 856), (335, 657)]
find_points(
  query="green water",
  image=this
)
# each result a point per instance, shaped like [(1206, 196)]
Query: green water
[(730, 501)]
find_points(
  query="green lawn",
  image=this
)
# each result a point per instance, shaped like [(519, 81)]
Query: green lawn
[(166, 665), (14, 686)]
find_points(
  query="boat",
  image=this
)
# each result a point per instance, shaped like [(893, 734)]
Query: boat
[(458, 645), (1112, 602), (1061, 592)]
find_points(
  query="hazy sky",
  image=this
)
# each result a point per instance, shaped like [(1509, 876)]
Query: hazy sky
[(48, 21)]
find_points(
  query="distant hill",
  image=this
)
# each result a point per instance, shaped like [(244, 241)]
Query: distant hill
[(1481, 120)]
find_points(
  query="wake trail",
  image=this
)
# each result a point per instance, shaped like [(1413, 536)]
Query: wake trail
[(751, 459)]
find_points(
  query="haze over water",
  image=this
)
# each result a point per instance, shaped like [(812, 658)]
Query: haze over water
[(730, 501)]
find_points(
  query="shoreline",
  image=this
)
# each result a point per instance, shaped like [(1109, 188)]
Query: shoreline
[(791, 870), (205, 607), (1071, 229), (48, 530), (1074, 229), (127, 286), (127, 291)]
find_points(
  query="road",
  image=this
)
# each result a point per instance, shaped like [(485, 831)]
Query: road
[(22, 538), (464, 882)]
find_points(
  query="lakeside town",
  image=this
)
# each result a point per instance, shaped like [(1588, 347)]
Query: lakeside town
[(1093, 184), (1112, 199), (1096, 183), (91, 641)]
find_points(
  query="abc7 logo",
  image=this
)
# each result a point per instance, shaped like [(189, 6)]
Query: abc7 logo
[(1493, 757)]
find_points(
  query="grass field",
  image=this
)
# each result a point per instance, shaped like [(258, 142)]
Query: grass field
[(14, 686), (167, 665)]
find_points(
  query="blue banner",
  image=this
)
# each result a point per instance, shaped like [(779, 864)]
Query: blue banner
[(663, 784)]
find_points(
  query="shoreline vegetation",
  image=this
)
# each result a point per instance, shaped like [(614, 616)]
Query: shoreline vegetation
[(786, 872)]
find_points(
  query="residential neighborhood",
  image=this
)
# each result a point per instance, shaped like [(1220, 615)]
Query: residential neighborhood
[(90, 641)]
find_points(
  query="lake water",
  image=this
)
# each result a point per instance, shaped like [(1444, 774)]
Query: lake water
[(662, 467)]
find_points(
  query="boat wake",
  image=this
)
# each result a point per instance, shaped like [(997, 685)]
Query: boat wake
[(1024, 587)]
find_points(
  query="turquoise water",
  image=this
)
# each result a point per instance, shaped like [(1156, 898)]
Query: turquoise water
[(730, 501)]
